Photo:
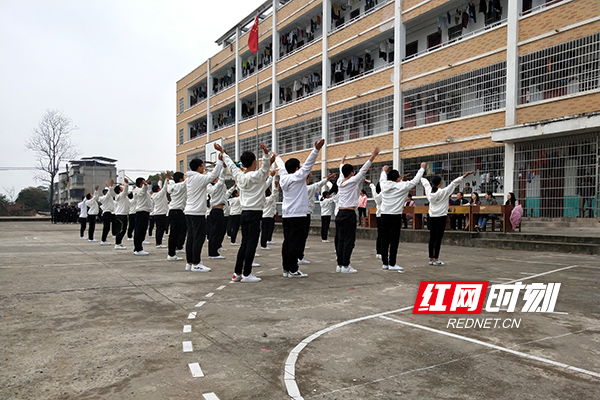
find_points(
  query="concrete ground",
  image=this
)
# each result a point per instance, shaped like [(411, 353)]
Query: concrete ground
[(83, 321)]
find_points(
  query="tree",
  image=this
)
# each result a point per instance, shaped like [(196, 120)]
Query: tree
[(36, 198), (51, 141), (4, 199)]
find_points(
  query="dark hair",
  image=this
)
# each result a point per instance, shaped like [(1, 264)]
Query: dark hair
[(461, 193), (117, 189), (489, 193), (409, 196), (334, 188), (139, 181), (347, 169), (362, 191), (195, 164), (247, 159), (378, 188), (130, 195), (393, 175), (104, 191), (233, 193), (435, 181), (155, 188), (178, 176), (513, 199), (268, 192), (292, 165), (88, 196), (476, 201), (324, 195)]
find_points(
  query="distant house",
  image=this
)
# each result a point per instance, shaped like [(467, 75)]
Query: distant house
[(81, 176)]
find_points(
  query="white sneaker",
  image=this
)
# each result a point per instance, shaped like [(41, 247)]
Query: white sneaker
[(219, 257), (130, 239), (188, 267), (348, 270), (200, 268), (145, 242), (304, 261), (250, 279), (378, 256), (141, 253), (307, 247), (385, 266), (160, 246), (285, 274), (92, 240), (236, 277), (325, 241), (439, 263), (151, 236), (265, 248), (396, 268), (297, 274), (180, 251), (431, 262), (222, 249), (120, 247), (270, 242), (256, 255), (338, 268), (255, 264), (174, 258), (234, 244), (105, 244), (82, 237)]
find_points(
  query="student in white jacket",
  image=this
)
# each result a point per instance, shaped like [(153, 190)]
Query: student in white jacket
[(177, 189), (121, 213), (252, 184), (376, 193), (393, 195), (160, 208), (141, 194), (438, 210), (93, 209), (295, 209), (108, 211), (268, 216), (83, 215), (195, 209), (327, 206)]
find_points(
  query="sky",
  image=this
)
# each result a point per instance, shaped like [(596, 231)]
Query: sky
[(111, 66)]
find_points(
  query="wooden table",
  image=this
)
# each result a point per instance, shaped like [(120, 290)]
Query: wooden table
[(472, 211)]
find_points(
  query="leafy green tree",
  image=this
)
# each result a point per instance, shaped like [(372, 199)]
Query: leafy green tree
[(36, 198), (154, 178)]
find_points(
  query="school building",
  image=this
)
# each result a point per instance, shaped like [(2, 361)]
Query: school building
[(510, 89)]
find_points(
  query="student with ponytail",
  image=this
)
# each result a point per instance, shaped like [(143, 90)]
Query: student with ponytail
[(438, 211)]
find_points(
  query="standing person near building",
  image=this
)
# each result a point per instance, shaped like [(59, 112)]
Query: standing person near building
[(83, 216), (362, 206), (376, 192), (142, 214), (312, 191), (345, 222), (132, 211), (93, 209), (160, 207), (268, 216), (438, 211), (121, 212), (394, 192), (252, 184), (327, 206), (108, 209), (295, 209), (218, 198), (235, 213), (195, 209), (177, 189)]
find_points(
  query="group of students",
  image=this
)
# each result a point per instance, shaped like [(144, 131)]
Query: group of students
[(251, 204)]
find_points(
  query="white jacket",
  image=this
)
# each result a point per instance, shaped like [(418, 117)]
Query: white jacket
[(93, 207), (178, 194), (82, 209), (394, 194), (235, 206), (108, 201), (327, 206), (122, 201), (294, 188), (251, 185), (218, 191), (271, 204), (312, 192), (160, 201), (377, 198), (142, 197), (196, 184), (348, 190), (438, 201)]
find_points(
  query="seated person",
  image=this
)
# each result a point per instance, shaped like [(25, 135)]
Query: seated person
[(454, 218), (406, 217), (488, 201)]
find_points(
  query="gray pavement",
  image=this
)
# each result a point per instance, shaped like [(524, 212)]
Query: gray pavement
[(83, 321)]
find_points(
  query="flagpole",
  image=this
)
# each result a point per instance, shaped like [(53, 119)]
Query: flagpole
[(256, 105)]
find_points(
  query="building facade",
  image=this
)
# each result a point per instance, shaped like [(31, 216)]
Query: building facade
[(510, 89), (81, 177)]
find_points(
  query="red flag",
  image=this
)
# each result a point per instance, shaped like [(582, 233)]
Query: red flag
[(253, 37)]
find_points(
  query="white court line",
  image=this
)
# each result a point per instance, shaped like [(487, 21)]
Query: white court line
[(187, 328), (187, 347), (505, 279), (210, 396), (272, 269), (192, 315), (527, 273), (196, 370), (221, 287), (200, 303), (260, 272), (211, 294), (529, 262), (541, 274), (493, 346)]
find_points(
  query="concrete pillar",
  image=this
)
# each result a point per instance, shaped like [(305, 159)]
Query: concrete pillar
[(274, 84), (512, 64), (325, 79), (398, 108), (509, 168)]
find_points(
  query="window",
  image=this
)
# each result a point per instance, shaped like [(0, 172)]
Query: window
[(434, 40), (299, 136), (181, 136), (362, 120), (180, 165), (412, 48), (180, 105)]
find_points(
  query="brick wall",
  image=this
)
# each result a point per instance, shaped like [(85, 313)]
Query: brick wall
[(196, 75), (449, 148), (362, 85), (301, 106), (292, 7), (430, 5), (300, 60), (222, 99), (558, 108), (561, 37)]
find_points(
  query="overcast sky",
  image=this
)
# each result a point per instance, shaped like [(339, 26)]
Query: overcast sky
[(109, 65)]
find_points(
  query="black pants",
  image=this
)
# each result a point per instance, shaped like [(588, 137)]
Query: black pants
[(208, 227), (178, 228), (345, 236), (234, 226), (266, 231), (108, 219), (325, 222), (306, 230), (161, 227), (151, 225), (82, 225), (390, 237), (131, 227), (92, 222), (217, 231), (196, 234), (378, 246), (457, 220), (141, 226), (250, 222), (121, 224), (362, 212), (437, 225), (293, 242)]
